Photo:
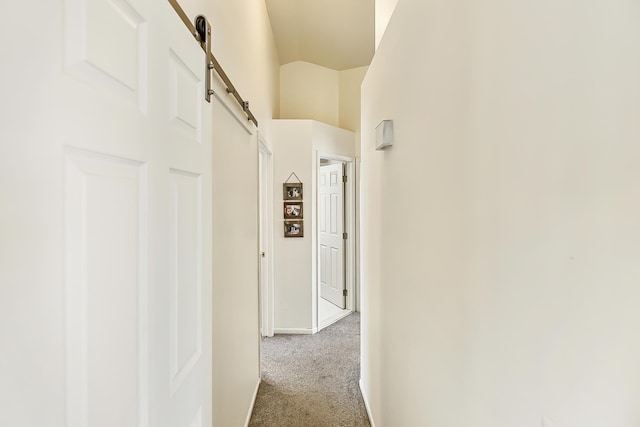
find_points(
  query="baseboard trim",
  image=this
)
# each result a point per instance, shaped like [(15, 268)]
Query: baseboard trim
[(366, 404), (253, 402), (333, 319), (293, 331)]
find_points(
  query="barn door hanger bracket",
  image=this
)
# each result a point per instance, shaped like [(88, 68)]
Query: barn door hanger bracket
[(203, 35), (200, 29)]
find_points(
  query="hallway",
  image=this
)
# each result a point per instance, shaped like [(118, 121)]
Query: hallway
[(312, 380)]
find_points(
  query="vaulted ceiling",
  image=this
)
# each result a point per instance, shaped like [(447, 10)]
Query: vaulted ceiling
[(337, 34)]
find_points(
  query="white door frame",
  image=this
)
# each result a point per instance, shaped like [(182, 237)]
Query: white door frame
[(265, 227), (349, 228)]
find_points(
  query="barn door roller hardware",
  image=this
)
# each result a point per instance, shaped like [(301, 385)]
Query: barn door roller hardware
[(201, 31)]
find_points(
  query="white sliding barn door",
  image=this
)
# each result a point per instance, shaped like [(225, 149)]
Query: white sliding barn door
[(331, 228), (105, 281)]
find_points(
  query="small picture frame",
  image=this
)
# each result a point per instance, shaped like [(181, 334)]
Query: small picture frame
[(293, 229), (292, 191), (292, 210)]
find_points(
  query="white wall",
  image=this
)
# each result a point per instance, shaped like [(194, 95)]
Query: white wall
[(292, 256), (500, 233), (332, 140), (250, 59), (296, 145), (309, 91), (349, 96), (384, 10)]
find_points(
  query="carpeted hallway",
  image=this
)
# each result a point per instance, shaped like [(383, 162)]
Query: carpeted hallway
[(312, 380)]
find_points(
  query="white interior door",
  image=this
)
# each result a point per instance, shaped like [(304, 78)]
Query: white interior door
[(106, 219), (331, 228)]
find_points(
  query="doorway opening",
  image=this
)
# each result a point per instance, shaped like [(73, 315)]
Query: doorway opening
[(335, 239)]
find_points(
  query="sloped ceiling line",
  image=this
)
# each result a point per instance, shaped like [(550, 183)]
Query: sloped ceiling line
[(337, 34)]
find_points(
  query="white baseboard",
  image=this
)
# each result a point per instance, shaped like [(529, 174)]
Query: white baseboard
[(293, 331), (366, 404), (253, 402), (333, 319)]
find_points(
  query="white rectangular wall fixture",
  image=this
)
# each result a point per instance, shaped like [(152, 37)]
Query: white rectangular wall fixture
[(384, 135)]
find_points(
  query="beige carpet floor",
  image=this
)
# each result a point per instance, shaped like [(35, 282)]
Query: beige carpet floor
[(312, 380)]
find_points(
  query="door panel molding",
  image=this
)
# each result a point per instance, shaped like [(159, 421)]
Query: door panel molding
[(107, 45), (105, 271)]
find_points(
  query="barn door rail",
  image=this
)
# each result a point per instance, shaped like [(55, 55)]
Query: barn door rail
[(201, 31)]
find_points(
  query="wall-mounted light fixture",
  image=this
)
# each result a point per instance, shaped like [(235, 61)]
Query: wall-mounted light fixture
[(384, 135)]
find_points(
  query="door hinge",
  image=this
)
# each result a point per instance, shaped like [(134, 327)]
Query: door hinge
[(344, 236), (344, 292), (344, 178)]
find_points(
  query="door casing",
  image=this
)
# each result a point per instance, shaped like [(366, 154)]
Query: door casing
[(265, 194)]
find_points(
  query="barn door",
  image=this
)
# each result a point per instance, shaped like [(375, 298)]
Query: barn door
[(106, 173)]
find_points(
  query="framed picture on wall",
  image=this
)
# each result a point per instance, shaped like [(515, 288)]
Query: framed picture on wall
[(292, 210), (292, 191), (293, 229)]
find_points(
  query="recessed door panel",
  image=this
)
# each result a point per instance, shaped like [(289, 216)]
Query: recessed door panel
[(185, 273), (333, 269), (334, 210), (323, 217), (106, 290), (334, 178), (107, 45), (324, 279), (185, 98)]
